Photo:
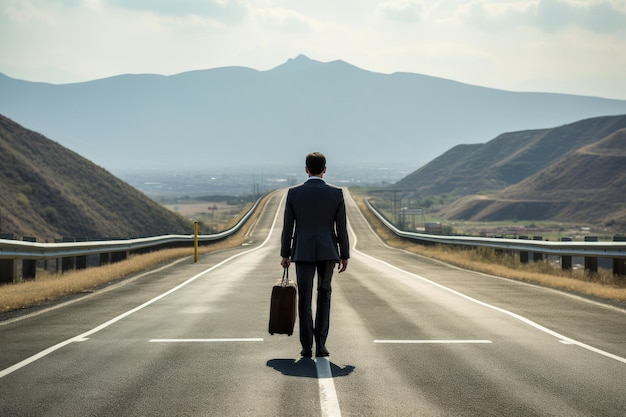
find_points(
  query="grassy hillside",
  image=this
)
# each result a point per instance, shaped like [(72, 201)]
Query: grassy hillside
[(507, 159), (48, 191), (587, 185)]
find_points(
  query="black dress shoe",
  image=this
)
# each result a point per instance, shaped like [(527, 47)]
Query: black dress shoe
[(306, 353), (321, 351)]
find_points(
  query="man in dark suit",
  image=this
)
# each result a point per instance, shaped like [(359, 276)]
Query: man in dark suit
[(315, 237)]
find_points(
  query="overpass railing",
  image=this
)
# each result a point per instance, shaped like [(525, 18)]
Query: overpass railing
[(589, 250), (73, 255)]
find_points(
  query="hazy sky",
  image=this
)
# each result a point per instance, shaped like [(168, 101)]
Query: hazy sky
[(567, 46)]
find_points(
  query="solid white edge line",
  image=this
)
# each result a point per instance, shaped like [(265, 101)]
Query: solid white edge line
[(563, 339), (503, 311), (90, 295), (328, 395), (555, 290), (427, 342), (234, 339), (85, 335)]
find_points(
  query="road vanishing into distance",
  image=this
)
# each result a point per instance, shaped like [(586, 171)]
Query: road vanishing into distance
[(409, 336)]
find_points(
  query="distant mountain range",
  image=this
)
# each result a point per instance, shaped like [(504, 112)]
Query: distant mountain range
[(240, 117), (575, 172), (49, 192)]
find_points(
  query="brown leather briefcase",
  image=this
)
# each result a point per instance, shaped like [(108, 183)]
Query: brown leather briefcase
[(283, 306)]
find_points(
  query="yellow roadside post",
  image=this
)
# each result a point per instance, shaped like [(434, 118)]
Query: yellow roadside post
[(195, 241)]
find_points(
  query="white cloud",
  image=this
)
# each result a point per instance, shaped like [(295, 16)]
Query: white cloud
[(401, 10), (596, 16), (227, 11), (600, 16), (24, 12), (285, 20)]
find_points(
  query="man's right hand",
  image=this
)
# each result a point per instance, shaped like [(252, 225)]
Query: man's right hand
[(285, 262), (343, 264)]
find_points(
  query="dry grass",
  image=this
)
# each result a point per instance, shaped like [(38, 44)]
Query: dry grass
[(602, 285), (50, 287)]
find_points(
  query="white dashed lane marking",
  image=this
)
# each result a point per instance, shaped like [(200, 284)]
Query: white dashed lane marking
[(435, 342), (252, 339)]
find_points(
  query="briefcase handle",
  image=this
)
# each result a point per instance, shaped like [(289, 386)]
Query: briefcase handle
[(285, 281)]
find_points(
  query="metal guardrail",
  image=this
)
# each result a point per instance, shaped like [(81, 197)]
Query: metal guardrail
[(614, 250), (11, 250), (16, 249)]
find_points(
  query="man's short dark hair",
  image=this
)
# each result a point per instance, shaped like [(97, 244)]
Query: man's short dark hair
[(315, 162)]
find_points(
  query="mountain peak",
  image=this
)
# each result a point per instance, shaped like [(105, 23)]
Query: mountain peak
[(298, 63), (301, 59)]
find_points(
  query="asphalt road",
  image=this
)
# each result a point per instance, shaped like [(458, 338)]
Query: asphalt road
[(409, 337)]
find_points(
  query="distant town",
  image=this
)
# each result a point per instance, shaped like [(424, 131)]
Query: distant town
[(166, 183)]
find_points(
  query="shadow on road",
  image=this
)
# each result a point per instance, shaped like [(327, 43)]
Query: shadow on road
[(305, 368)]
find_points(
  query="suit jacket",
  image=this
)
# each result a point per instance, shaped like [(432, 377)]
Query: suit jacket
[(315, 227)]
